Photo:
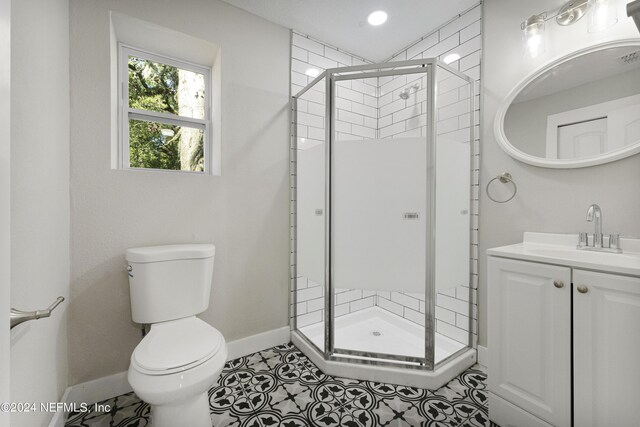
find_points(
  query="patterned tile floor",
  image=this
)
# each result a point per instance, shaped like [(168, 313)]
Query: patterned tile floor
[(280, 386)]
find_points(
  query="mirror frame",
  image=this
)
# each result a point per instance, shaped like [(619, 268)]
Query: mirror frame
[(498, 124)]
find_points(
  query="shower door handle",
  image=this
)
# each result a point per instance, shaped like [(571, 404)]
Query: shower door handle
[(18, 316)]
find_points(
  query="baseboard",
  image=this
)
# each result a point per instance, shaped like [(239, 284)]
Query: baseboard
[(483, 354), (114, 385), (248, 345)]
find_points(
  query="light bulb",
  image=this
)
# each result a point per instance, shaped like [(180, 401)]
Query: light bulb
[(604, 15), (533, 35)]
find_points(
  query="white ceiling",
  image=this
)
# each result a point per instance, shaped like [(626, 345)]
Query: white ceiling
[(342, 23)]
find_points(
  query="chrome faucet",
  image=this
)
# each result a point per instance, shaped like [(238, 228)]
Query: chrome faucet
[(598, 241), (595, 211)]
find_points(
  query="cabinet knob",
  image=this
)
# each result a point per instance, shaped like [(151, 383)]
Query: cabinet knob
[(558, 284), (582, 289)]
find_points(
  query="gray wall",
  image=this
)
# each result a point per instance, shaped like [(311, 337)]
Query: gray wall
[(526, 122), (244, 212), (548, 200), (40, 254)]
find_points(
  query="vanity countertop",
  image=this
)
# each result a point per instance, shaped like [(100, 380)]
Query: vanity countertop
[(561, 249)]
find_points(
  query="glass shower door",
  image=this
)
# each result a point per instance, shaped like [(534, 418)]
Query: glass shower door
[(309, 212), (379, 215)]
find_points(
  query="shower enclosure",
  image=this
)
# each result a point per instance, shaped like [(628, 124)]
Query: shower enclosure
[(381, 221)]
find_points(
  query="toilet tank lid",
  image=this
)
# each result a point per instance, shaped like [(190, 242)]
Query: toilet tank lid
[(170, 252)]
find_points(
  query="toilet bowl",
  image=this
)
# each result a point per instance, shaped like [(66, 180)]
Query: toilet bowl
[(181, 357), (173, 368)]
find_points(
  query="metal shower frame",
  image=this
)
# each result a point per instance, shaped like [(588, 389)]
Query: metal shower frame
[(429, 67)]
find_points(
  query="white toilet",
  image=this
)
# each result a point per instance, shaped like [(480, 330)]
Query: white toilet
[(181, 357)]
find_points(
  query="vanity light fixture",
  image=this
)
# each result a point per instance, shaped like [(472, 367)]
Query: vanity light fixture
[(602, 15), (533, 34), (376, 18)]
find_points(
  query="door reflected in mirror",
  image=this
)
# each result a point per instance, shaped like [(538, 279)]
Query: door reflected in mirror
[(579, 111)]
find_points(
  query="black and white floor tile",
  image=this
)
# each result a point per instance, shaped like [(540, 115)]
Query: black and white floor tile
[(280, 386)]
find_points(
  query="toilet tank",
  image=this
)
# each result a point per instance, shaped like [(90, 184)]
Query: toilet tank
[(169, 282)]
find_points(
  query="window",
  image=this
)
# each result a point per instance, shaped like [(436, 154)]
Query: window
[(165, 113)]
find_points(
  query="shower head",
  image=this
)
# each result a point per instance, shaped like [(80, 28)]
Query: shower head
[(406, 92)]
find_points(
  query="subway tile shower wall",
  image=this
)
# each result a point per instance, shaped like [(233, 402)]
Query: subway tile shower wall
[(370, 109)]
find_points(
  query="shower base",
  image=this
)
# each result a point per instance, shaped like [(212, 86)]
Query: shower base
[(376, 330), (359, 331)]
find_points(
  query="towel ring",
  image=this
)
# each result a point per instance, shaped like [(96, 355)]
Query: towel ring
[(503, 178)]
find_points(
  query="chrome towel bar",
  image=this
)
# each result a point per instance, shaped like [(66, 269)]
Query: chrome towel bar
[(19, 316)]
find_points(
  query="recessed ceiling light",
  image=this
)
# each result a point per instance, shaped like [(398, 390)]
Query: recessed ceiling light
[(312, 72), (378, 17), (453, 57)]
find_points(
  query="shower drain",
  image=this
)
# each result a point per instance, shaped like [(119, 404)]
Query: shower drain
[(376, 333)]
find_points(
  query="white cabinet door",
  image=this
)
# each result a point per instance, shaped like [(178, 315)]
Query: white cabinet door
[(530, 338), (606, 349)]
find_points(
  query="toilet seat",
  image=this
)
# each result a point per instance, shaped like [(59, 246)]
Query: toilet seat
[(176, 346)]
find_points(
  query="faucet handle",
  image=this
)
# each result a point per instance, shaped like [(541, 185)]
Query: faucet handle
[(583, 240), (614, 241)]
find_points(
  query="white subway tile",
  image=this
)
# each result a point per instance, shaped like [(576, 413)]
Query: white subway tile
[(352, 295), (309, 318), (340, 309), (371, 123), (470, 32), (392, 130), (352, 95), (343, 127), (445, 45), (315, 304), (342, 104), (414, 316), (299, 53), (361, 304), (365, 110), (371, 101), (299, 79), (452, 332), (465, 20), (337, 56), (299, 66), (308, 44), (351, 117), (316, 109), (422, 45), (390, 306), (364, 132), (452, 304), (446, 315), (309, 294), (405, 300), (406, 113), (392, 107), (321, 61)]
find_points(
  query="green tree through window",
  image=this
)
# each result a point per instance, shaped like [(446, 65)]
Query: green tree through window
[(164, 88)]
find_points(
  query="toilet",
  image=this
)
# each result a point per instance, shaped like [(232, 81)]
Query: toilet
[(178, 361)]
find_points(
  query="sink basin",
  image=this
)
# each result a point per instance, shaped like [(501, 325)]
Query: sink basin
[(561, 248)]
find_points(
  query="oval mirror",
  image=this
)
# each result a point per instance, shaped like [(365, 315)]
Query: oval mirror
[(580, 110)]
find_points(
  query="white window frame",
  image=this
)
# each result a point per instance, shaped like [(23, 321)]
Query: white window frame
[(126, 112)]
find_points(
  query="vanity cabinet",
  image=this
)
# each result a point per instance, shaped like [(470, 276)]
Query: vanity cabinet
[(606, 348), (529, 324), (562, 341)]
